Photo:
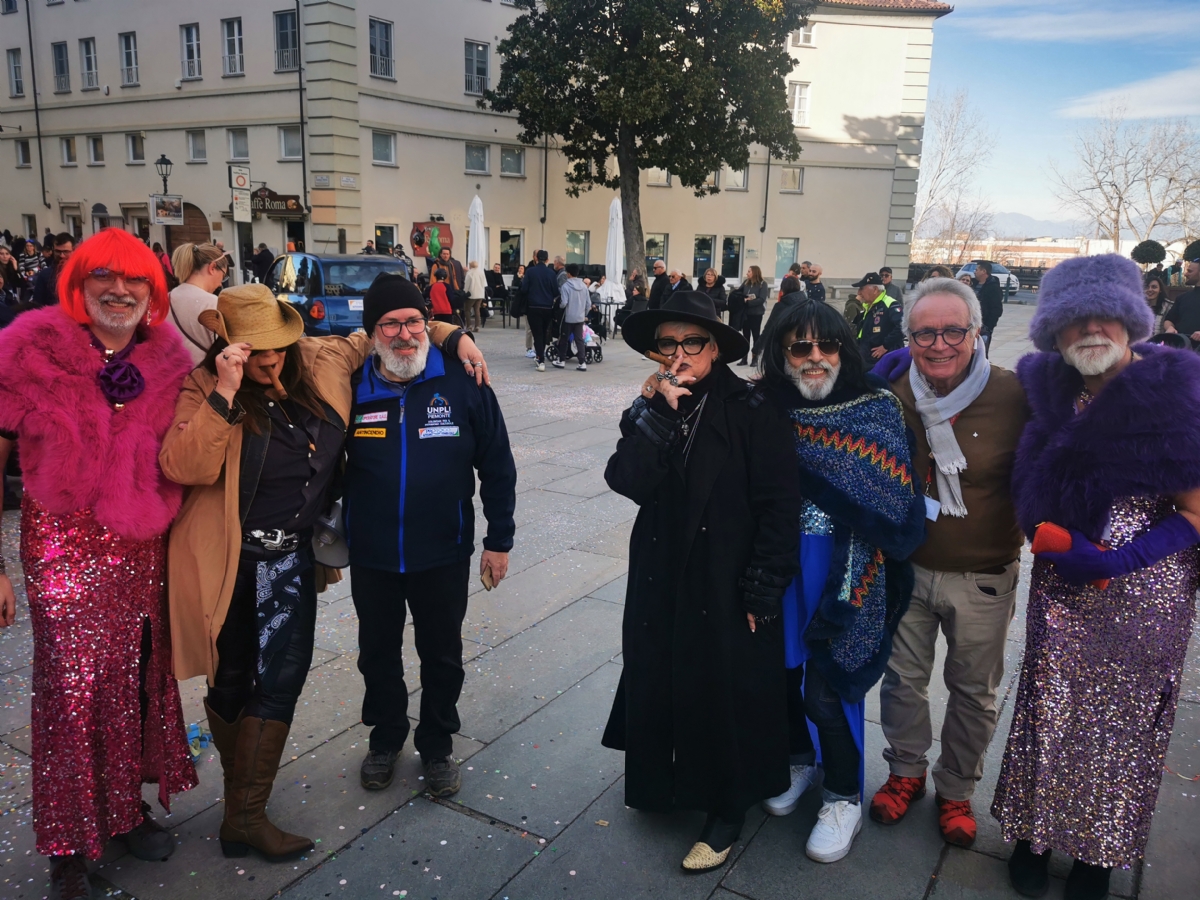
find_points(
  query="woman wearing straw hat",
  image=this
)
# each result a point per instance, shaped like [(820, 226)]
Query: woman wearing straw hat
[(257, 436)]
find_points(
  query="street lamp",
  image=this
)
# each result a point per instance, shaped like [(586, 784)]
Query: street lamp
[(163, 166)]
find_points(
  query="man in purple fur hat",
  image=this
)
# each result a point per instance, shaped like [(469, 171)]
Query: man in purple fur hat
[(1108, 456)]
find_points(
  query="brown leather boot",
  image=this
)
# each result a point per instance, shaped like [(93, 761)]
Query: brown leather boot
[(260, 744), (224, 738)]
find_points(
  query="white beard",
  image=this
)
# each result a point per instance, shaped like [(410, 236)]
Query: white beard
[(1093, 355), (121, 320), (402, 368), (814, 391)]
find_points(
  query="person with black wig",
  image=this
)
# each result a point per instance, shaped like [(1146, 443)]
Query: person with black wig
[(862, 517)]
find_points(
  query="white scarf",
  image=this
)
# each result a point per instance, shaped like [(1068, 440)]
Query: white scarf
[(936, 415)]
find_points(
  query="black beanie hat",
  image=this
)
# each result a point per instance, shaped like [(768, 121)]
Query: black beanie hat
[(387, 293)]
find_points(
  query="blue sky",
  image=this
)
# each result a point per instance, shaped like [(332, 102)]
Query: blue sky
[(1042, 70)]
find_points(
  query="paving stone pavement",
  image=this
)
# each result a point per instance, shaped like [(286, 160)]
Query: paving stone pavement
[(541, 811)]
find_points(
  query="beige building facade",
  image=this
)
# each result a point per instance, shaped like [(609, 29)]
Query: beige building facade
[(358, 120)]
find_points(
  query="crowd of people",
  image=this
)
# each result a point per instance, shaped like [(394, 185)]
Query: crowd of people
[(802, 536), (905, 473)]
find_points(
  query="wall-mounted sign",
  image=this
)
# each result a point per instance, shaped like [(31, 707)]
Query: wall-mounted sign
[(166, 209), (321, 181), (277, 206), (430, 238), (350, 181), (900, 237), (239, 177), (243, 211)]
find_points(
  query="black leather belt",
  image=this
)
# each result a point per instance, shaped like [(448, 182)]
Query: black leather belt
[(276, 540)]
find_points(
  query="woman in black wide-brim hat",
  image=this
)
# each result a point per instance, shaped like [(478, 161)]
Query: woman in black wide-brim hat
[(701, 708)]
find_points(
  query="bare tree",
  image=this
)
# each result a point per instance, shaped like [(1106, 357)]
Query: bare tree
[(1130, 177), (957, 146), (962, 221)]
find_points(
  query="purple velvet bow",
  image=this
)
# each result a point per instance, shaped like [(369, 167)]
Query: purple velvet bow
[(120, 380)]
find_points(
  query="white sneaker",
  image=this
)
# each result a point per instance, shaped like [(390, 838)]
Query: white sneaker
[(582, 367), (559, 364), (838, 823), (803, 777), (531, 354), (541, 367)]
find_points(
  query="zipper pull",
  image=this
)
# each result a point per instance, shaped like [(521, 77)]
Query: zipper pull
[(401, 422)]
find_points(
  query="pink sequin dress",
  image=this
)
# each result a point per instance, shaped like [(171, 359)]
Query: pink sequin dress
[(1096, 702), (90, 591)]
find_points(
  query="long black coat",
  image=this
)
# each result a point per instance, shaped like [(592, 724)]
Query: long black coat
[(701, 708)]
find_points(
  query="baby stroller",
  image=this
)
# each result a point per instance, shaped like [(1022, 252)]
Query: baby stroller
[(593, 351)]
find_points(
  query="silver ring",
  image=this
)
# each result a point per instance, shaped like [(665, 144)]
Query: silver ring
[(224, 356), (477, 365)]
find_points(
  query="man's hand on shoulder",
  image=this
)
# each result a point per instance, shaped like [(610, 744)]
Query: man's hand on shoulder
[(473, 361)]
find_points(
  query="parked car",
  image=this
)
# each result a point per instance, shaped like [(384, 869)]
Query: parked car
[(1005, 276), (328, 290)]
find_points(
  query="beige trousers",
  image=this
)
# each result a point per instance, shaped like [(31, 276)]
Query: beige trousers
[(474, 319), (973, 611)]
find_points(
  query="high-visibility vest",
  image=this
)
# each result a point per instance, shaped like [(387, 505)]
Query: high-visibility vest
[(883, 298)]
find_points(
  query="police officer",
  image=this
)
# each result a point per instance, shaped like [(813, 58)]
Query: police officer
[(420, 429), (879, 329)]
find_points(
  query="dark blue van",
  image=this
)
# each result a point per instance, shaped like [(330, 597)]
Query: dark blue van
[(328, 290)]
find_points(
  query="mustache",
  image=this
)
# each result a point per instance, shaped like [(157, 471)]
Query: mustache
[(400, 343), (123, 299), (1093, 341)]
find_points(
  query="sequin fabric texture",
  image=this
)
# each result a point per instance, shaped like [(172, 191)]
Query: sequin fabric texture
[(90, 591), (1096, 702)]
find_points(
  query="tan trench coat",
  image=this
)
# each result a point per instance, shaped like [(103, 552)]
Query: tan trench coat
[(203, 452)]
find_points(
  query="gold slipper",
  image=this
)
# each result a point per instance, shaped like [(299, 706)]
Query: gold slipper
[(704, 858)]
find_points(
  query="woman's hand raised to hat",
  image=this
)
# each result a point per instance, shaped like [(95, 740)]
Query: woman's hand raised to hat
[(668, 382), (229, 370)]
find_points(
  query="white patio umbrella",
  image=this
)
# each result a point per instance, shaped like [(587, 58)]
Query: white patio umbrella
[(477, 240), (613, 253)]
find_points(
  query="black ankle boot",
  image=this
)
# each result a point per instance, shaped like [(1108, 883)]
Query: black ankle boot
[(1027, 871), (1087, 882), (720, 833)]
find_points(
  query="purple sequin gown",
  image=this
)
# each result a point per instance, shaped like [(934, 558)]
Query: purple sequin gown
[(1096, 702), (89, 593)]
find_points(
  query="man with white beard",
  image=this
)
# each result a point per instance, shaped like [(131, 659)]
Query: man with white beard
[(967, 416), (1107, 473), (862, 517), (420, 429)]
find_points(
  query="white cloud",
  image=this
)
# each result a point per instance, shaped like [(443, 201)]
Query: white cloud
[(1163, 96), (1075, 22)]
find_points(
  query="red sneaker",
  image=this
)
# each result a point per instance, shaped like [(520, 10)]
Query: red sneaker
[(957, 821), (891, 802)]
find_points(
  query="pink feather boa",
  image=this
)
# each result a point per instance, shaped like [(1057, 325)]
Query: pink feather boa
[(78, 452)]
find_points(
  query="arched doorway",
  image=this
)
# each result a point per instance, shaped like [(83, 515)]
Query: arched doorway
[(194, 229)]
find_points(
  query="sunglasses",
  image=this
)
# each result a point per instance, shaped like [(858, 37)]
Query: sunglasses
[(803, 349), (691, 346), (260, 352), (109, 276), (927, 337)]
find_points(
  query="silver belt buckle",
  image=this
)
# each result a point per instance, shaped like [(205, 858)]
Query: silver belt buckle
[(272, 540)]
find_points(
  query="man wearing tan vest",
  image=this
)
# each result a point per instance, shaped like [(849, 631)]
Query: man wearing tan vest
[(967, 417)]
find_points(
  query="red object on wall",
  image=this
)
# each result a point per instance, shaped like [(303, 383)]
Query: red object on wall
[(418, 238)]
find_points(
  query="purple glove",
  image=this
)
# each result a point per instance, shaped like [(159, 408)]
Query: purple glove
[(892, 365), (1084, 562)]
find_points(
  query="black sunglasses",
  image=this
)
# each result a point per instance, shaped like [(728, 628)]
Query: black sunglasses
[(691, 345), (803, 349)]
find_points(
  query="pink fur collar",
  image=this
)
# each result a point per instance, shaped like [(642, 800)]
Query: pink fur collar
[(78, 452)]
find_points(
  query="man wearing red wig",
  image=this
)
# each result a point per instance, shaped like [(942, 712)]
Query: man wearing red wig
[(89, 387)]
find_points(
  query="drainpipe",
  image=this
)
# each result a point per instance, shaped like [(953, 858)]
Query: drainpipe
[(37, 112), (766, 196), (545, 170), (300, 92)]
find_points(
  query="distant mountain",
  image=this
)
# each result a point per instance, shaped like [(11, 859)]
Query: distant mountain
[(1019, 225)]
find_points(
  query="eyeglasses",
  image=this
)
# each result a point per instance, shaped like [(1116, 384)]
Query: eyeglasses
[(927, 337), (691, 345), (108, 276), (803, 349), (393, 329)]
